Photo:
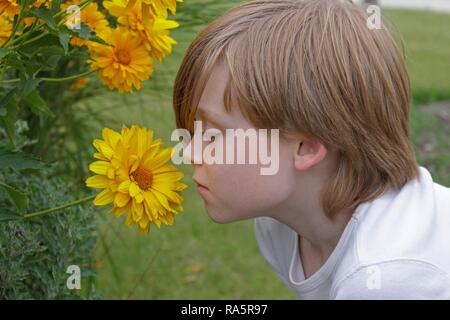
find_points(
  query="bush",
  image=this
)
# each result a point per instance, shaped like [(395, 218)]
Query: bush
[(35, 253)]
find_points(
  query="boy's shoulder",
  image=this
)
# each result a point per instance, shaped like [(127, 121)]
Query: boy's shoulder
[(405, 230), (410, 223), (401, 245)]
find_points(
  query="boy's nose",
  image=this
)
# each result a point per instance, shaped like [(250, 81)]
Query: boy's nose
[(192, 154)]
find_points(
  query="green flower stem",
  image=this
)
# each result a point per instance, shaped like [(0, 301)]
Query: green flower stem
[(58, 208), (26, 35), (9, 81), (43, 34), (75, 76)]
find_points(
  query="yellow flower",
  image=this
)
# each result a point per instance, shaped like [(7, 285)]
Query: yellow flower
[(9, 8), (124, 64), (5, 29), (134, 172), (157, 38), (154, 32), (92, 17), (160, 6), (118, 8), (155, 7)]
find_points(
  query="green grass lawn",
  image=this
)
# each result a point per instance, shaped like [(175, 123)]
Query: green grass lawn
[(196, 258), (426, 37)]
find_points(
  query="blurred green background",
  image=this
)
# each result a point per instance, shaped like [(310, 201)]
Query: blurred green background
[(198, 259)]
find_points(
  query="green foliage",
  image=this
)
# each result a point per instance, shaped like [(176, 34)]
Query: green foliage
[(35, 253), (38, 68)]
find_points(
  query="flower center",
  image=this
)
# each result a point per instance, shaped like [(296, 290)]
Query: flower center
[(143, 177), (123, 56)]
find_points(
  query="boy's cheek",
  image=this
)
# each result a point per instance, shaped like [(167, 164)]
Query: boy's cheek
[(232, 178), (240, 192)]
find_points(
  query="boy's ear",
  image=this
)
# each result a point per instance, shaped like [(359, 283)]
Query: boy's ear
[(308, 153)]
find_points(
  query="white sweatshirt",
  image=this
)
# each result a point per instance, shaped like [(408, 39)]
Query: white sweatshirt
[(395, 247)]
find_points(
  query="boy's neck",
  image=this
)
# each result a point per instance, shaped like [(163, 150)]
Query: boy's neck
[(303, 213), (314, 254), (318, 232)]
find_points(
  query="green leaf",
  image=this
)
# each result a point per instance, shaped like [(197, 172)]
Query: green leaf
[(26, 86), (99, 40), (64, 40), (51, 50), (17, 196), (8, 215), (39, 45), (19, 161), (46, 15), (56, 4), (4, 52), (37, 104), (14, 61), (5, 101), (86, 33), (8, 121), (48, 62)]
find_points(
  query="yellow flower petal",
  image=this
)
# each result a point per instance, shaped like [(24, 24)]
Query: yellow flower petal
[(134, 189), (124, 186), (100, 156), (160, 159), (121, 199), (139, 198), (103, 148), (161, 198), (103, 198), (99, 167), (100, 182), (111, 137), (118, 211)]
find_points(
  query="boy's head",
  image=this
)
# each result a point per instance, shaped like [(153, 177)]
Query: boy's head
[(337, 90)]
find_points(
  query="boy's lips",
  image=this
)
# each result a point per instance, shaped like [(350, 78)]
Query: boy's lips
[(200, 187)]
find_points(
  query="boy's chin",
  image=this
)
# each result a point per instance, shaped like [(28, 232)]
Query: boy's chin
[(223, 218), (218, 218)]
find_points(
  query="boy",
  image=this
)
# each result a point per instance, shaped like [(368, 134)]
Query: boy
[(349, 214)]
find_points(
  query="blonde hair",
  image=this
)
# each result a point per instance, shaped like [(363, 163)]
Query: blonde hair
[(312, 67)]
